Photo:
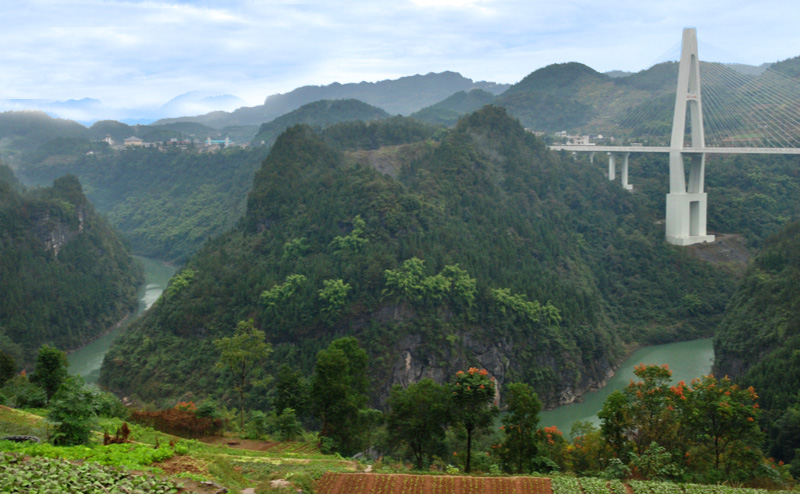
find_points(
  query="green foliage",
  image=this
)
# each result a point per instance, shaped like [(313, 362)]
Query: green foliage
[(417, 418), (8, 368), (51, 369), (287, 426), (179, 282), (518, 449), (71, 413), (338, 392), (242, 354), (353, 242)]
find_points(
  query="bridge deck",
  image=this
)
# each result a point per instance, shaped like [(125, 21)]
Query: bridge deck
[(664, 149)]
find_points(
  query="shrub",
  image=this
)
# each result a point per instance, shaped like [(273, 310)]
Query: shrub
[(72, 413), (178, 422)]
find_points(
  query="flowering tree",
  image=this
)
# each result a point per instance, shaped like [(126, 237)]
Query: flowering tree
[(474, 405)]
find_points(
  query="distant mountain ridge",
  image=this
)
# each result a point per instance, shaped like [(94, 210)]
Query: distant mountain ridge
[(398, 96)]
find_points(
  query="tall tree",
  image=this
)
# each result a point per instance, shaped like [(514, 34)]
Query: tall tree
[(242, 353), (518, 450), (418, 417), (338, 391), (474, 405), (50, 370)]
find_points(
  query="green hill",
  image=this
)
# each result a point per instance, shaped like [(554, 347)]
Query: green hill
[(66, 275), (448, 111), (323, 113), (499, 254)]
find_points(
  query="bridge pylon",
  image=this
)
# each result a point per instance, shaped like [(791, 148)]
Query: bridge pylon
[(687, 206)]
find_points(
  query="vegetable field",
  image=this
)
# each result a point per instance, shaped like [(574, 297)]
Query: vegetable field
[(588, 485), (375, 483)]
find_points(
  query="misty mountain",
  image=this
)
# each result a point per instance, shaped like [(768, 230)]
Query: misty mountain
[(399, 96), (319, 114)]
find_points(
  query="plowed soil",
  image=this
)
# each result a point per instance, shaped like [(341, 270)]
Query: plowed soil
[(375, 483)]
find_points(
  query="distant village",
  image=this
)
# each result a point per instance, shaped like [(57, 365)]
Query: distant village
[(207, 145)]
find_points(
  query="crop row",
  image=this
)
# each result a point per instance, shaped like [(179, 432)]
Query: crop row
[(373, 483)]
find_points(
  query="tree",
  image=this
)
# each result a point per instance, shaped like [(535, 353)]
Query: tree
[(291, 391), (7, 367), (418, 417), (474, 405), (50, 370), (72, 413), (338, 391), (242, 353), (723, 418), (518, 450)]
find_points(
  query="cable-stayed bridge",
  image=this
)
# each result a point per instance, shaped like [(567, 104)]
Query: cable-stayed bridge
[(747, 115)]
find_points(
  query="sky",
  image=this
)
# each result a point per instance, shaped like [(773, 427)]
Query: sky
[(140, 54)]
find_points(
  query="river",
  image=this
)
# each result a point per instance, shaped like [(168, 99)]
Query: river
[(86, 360), (687, 360)]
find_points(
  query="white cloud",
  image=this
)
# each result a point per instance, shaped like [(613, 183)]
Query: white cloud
[(143, 53)]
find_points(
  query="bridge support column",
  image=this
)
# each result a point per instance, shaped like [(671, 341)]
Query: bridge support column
[(612, 167), (591, 158), (687, 208), (625, 184)]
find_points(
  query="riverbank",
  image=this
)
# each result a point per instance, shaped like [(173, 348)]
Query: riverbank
[(686, 359)]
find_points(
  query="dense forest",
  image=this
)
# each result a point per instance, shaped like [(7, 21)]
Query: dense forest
[(166, 203), (485, 249), (758, 341), (67, 276)]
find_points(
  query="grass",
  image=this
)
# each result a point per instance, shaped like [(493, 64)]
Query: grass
[(184, 460)]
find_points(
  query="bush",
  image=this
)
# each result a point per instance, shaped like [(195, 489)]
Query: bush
[(259, 425), (22, 393), (108, 405), (182, 423), (72, 413)]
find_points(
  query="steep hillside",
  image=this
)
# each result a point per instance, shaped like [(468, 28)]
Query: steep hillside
[(322, 113), (486, 250), (401, 96), (66, 276), (758, 341)]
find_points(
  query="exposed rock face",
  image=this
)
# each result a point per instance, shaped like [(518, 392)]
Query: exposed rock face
[(55, 233), (415, 362)]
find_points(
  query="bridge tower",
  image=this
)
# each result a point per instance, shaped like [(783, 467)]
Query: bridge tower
[(687, 206)]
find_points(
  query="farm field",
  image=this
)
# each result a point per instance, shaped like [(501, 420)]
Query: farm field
[(376, 483)]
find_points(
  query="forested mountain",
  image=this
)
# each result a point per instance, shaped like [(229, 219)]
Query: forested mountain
[(66, 275), (401, 96), (758, 341), (167, 203), (448, 111), (486, 249), (323, 113)]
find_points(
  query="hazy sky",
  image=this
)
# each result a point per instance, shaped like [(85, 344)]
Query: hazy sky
[(143, 53)]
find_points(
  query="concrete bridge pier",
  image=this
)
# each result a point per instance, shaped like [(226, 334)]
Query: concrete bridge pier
[(625, 184), (612, 167), (687, 208)]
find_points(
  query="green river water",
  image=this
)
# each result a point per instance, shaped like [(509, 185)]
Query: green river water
[(687, 360), (86, 360)]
